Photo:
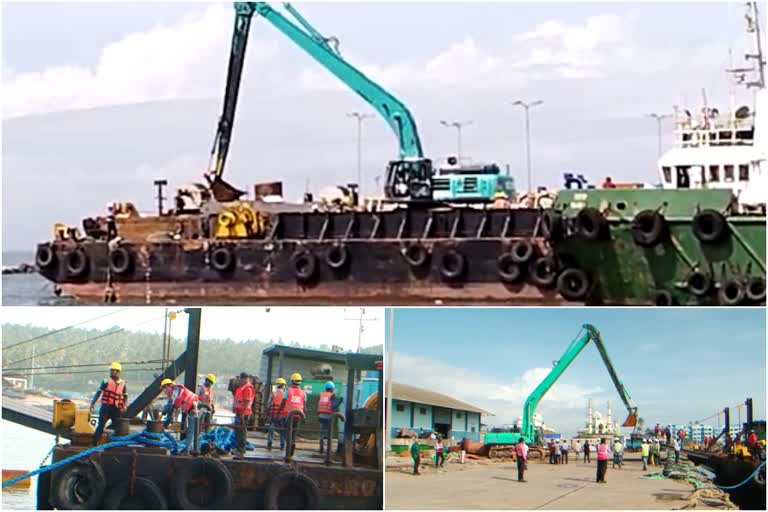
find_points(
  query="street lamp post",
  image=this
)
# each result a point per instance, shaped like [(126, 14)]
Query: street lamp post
[(458, 125), (388, 375), (360, 117), (527, 107), (659, 118)]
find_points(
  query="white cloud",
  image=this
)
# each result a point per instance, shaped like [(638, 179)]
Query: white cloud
[(503, 398), (183, 60)]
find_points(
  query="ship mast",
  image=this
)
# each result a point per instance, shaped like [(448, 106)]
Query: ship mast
[(753, 20)]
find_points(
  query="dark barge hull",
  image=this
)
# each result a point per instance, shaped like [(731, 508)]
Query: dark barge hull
[(732, 471), (342, 488), (376, 271)]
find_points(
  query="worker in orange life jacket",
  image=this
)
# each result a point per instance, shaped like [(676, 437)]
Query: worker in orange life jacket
[(205, 396), (294, 399), (273, 410), (241, 406), (182, 399), (327, 405), (114, 397)]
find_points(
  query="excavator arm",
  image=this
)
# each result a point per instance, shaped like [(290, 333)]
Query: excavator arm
[(394, 112), (588, 333), (407, 178)]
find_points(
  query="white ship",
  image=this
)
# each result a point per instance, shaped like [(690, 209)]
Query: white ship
[(726, 150)]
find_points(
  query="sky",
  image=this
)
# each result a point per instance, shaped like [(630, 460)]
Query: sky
[(311, 326), (678, 364), (100, 99)]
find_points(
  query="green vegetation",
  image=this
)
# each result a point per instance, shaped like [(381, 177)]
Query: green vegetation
[(223, 357)]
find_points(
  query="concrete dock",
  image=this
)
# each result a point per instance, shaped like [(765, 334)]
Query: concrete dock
[(494, 485)]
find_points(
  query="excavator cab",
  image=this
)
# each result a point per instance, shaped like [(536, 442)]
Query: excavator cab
[(409, 180)]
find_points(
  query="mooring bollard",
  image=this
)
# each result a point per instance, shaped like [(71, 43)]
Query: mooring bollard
[(289, 445), (331, 424)]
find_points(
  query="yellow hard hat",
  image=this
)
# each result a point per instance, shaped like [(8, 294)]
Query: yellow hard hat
[(296, 377), (762, 442), (211, 377), (116, 366), (279, 380), (165, 382)]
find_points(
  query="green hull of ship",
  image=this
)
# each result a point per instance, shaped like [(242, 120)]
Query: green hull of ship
[(623, 272)]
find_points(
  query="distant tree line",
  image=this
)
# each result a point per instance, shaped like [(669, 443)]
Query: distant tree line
[(66, 370)]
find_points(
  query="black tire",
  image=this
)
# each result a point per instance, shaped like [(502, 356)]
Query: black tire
[(732, 292), (452, 265), (755, 289), (709, 226), (146, 496), (663, 298), (649, 228), (543, 271), (45, 257), (79, 486), (337, 256), (521, 251), (219, 488), (551, 225), (222, 259), (77, 262), (699, 283), (291, 491), (44, 491), (591, 225), (573, 284), (121, 261), (508, 270), (416, 255), (304, 265)]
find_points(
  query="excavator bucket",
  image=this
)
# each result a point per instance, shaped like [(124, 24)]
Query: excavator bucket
[(223, 191), (631, 420)]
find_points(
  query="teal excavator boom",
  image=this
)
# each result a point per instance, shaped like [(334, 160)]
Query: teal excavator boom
[(408, 179), (528, 429), (588, 333)]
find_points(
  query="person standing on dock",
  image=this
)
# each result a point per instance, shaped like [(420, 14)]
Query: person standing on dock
[(645, 451), (327, 405), (293, 400), (241, 406), (586, 452), (416, 456), (564, 449), (618, 454), (181, 399), (205, 396), (558, 453), (521, 452), (602, 461), (114, 397), (677, 451), (576, 450), (439, 454), (273, 406)]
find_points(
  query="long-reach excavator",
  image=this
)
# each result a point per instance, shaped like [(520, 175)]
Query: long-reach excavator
[(408, 178), (498, 441)]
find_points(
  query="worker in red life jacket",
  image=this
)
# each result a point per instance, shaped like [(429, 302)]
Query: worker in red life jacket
[(608, 183), (602, 461), (114, 400), (205, 396), (273, 410), (752, 443), (327, 405), (294, 399), (241, 406), (182, 399)]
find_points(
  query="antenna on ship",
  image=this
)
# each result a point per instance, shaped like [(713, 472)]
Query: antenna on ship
[(753, 27)]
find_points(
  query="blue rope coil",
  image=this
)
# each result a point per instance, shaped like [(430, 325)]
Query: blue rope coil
[(750, 477), (220, 437)]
